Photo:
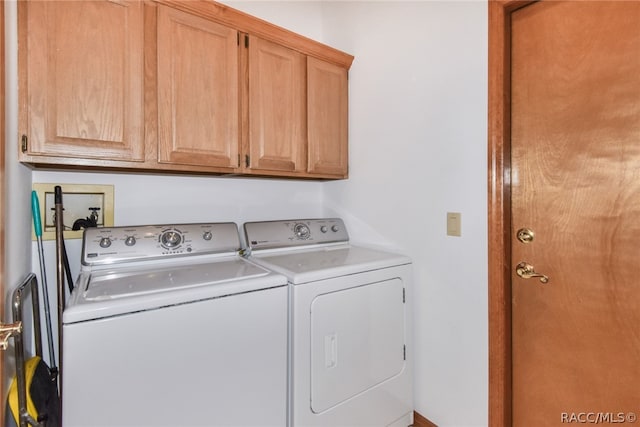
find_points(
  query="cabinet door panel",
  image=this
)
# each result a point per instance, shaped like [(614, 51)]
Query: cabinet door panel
[(277, 120), (197, 90), (85, 79), (327, 109)]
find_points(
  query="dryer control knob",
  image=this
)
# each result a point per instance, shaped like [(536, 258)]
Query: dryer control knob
[(323, 229), (130, 241), (301, 231), (207, 235), (335, 228), (105, 242)]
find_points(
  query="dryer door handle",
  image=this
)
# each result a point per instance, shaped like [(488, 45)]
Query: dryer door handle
[(330, 351)]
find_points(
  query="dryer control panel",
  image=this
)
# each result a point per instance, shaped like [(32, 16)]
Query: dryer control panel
[(295, 232), (124, 244)]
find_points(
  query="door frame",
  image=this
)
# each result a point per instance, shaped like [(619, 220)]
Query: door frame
[(499, 209)]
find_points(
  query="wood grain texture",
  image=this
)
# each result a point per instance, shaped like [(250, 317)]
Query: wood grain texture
[(499, 205), (184, 91), (84, 83), (263, 29), (277, 107), (575, 139), (197, 91), (420, 421), (150, 83), (327, 118)]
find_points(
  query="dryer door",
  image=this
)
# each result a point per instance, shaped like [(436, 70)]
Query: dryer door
[(357, 341)]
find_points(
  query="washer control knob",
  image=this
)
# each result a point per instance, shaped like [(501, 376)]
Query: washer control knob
[(130, 241), (335, 228), (171, 239), (207, 235), (323, 228), (105, 242)]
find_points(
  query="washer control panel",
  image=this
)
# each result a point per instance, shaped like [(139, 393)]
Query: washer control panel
[(124, 244), (296, 232)]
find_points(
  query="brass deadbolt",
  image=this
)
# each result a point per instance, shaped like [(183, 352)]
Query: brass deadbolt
[(525, 235)]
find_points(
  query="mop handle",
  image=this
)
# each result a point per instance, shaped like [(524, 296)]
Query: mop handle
[(37, 225), (35, 208)]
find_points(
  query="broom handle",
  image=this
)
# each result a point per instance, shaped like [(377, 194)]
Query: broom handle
[(60, 275)]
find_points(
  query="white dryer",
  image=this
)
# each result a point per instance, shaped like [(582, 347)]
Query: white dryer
[(350, 331), (169, 326)]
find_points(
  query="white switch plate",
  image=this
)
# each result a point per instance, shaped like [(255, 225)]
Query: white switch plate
[(76, 201), (454, 224)]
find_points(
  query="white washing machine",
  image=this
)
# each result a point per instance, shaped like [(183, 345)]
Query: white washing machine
[(169, 326), (350, 331)]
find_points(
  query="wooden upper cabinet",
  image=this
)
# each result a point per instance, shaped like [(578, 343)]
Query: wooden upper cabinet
[(84, 79), (277, 107), (197, 90), (327, 111), (177, 86)]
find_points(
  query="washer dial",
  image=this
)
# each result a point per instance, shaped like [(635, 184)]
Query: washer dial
[(171, 239)]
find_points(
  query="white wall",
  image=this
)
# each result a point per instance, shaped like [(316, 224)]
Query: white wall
[(300, 16), (17, 196), (418, 150), (418, 97)]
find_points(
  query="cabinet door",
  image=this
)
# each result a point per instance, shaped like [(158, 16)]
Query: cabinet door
[(85, 79), (197, 90), (327, 110), (277, 120)]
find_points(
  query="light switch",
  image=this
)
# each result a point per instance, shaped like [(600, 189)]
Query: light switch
[(454, 224)]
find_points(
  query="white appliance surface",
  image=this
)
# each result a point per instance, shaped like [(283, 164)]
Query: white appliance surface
[(350, 328), (182, 333), (345, 361), (120, 289), (325, 261)]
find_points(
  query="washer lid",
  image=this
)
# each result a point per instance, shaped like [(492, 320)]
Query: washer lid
[(118, 291), (303, 266)]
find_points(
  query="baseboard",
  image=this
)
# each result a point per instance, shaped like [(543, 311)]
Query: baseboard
[(420, 421)]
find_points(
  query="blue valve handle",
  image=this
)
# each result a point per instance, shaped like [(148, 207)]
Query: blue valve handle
[(35, 208)]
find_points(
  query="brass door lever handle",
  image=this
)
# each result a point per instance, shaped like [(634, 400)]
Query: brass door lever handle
[(527, 271), (7, 330)]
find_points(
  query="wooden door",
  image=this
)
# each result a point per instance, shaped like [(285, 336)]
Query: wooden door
[(197, 90), (575, 182), (84, 79), (327, 111), (277, 109)]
